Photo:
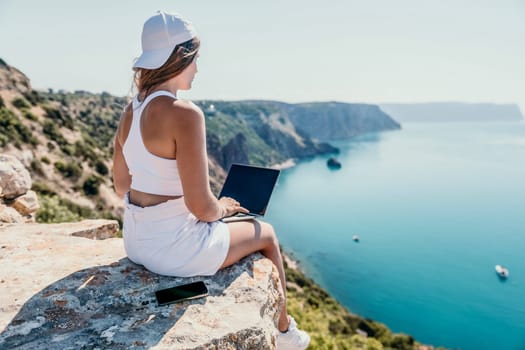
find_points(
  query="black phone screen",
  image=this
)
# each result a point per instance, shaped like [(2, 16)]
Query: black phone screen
[(183, 292)]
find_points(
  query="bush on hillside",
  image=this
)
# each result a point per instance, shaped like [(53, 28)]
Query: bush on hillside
[(42, 188), (28, 115), (33, 97), (101, 167), (85, 151), (71, 170), (2, 103), (60, 118), (21, 103), (54, 209), (36, 167), (13, 131), (51, 130), (91, 185)]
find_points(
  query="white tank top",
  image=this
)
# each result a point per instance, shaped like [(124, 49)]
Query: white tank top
[(149, 173)]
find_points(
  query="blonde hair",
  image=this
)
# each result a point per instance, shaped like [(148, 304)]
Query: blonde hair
[(181, 57)]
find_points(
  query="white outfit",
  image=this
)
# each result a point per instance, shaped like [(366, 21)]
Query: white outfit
[(166, 238)]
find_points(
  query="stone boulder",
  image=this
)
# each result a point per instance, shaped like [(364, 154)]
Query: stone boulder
[(27, 203), (8, 214), (14, 177), (65, 292)]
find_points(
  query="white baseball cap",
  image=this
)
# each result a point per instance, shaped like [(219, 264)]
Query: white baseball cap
[(160, 34)]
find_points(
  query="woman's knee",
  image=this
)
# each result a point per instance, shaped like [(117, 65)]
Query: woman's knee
[(269, 233)]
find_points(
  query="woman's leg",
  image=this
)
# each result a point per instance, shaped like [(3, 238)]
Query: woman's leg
[(247, 237)]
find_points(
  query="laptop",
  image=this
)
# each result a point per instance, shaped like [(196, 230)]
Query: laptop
[(251, 186)]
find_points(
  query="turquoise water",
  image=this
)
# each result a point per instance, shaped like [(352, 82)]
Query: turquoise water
[(436, 207)]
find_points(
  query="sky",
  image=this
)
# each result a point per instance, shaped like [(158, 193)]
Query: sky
[(374, 51)]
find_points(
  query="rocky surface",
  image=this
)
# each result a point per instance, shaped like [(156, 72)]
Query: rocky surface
[(17, 203), (59, 291), (14, 177)]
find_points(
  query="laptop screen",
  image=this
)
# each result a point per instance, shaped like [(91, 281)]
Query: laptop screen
[(251, 186)]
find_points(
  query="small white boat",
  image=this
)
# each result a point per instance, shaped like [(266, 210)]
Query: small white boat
[(502, 271), (355, 238)]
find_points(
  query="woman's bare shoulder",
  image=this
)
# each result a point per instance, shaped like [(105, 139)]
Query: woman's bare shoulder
[(165, 105)]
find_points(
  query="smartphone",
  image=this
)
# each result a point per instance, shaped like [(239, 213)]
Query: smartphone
[(180, 293)]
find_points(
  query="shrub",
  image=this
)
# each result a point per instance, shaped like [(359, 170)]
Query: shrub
[(59, 117), (46, 160), (2, 103), (42, 188), (27, 114), (21, 103), (71, 170), (53, 210), (12, 130), (101, 168), (91, 185), (36, 166), (51, 131), (86, 151), (33, 97)]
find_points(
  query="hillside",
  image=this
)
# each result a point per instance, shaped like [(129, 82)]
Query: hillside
[(453, 112)]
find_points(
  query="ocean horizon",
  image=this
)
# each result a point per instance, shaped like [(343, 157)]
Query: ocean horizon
[(436, 207)]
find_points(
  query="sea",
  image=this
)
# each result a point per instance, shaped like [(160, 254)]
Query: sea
[(436, 206)]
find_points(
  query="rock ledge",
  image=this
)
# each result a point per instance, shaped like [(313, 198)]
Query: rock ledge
[(60, 291)]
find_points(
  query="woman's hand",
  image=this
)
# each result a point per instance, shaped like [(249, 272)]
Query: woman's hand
[(230, 206)]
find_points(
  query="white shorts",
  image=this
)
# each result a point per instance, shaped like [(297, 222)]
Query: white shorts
[(167, 239)]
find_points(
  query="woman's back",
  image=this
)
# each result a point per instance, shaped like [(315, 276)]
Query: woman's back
[(150, 171)]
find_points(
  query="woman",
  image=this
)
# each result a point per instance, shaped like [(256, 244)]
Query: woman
[(160, 166)]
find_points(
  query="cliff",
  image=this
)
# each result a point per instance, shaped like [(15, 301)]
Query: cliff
[(453, 112), (339, 121), (60, 291)]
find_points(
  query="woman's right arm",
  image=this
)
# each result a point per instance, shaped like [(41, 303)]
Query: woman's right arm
[(192, 161)]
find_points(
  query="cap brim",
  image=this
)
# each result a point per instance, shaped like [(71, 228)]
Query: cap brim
[(153, 59)]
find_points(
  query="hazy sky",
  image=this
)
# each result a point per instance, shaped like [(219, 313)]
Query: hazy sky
[(297, 50)]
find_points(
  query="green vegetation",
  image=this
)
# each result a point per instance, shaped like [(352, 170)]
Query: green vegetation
[(2, 103), (36, 167), (59, 117), (21, 103), (51, 131), (13, 131), (54, 209), (33, 97), (91, 185), (27, 114), (70, 170), (101, 167), (223, 128)]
